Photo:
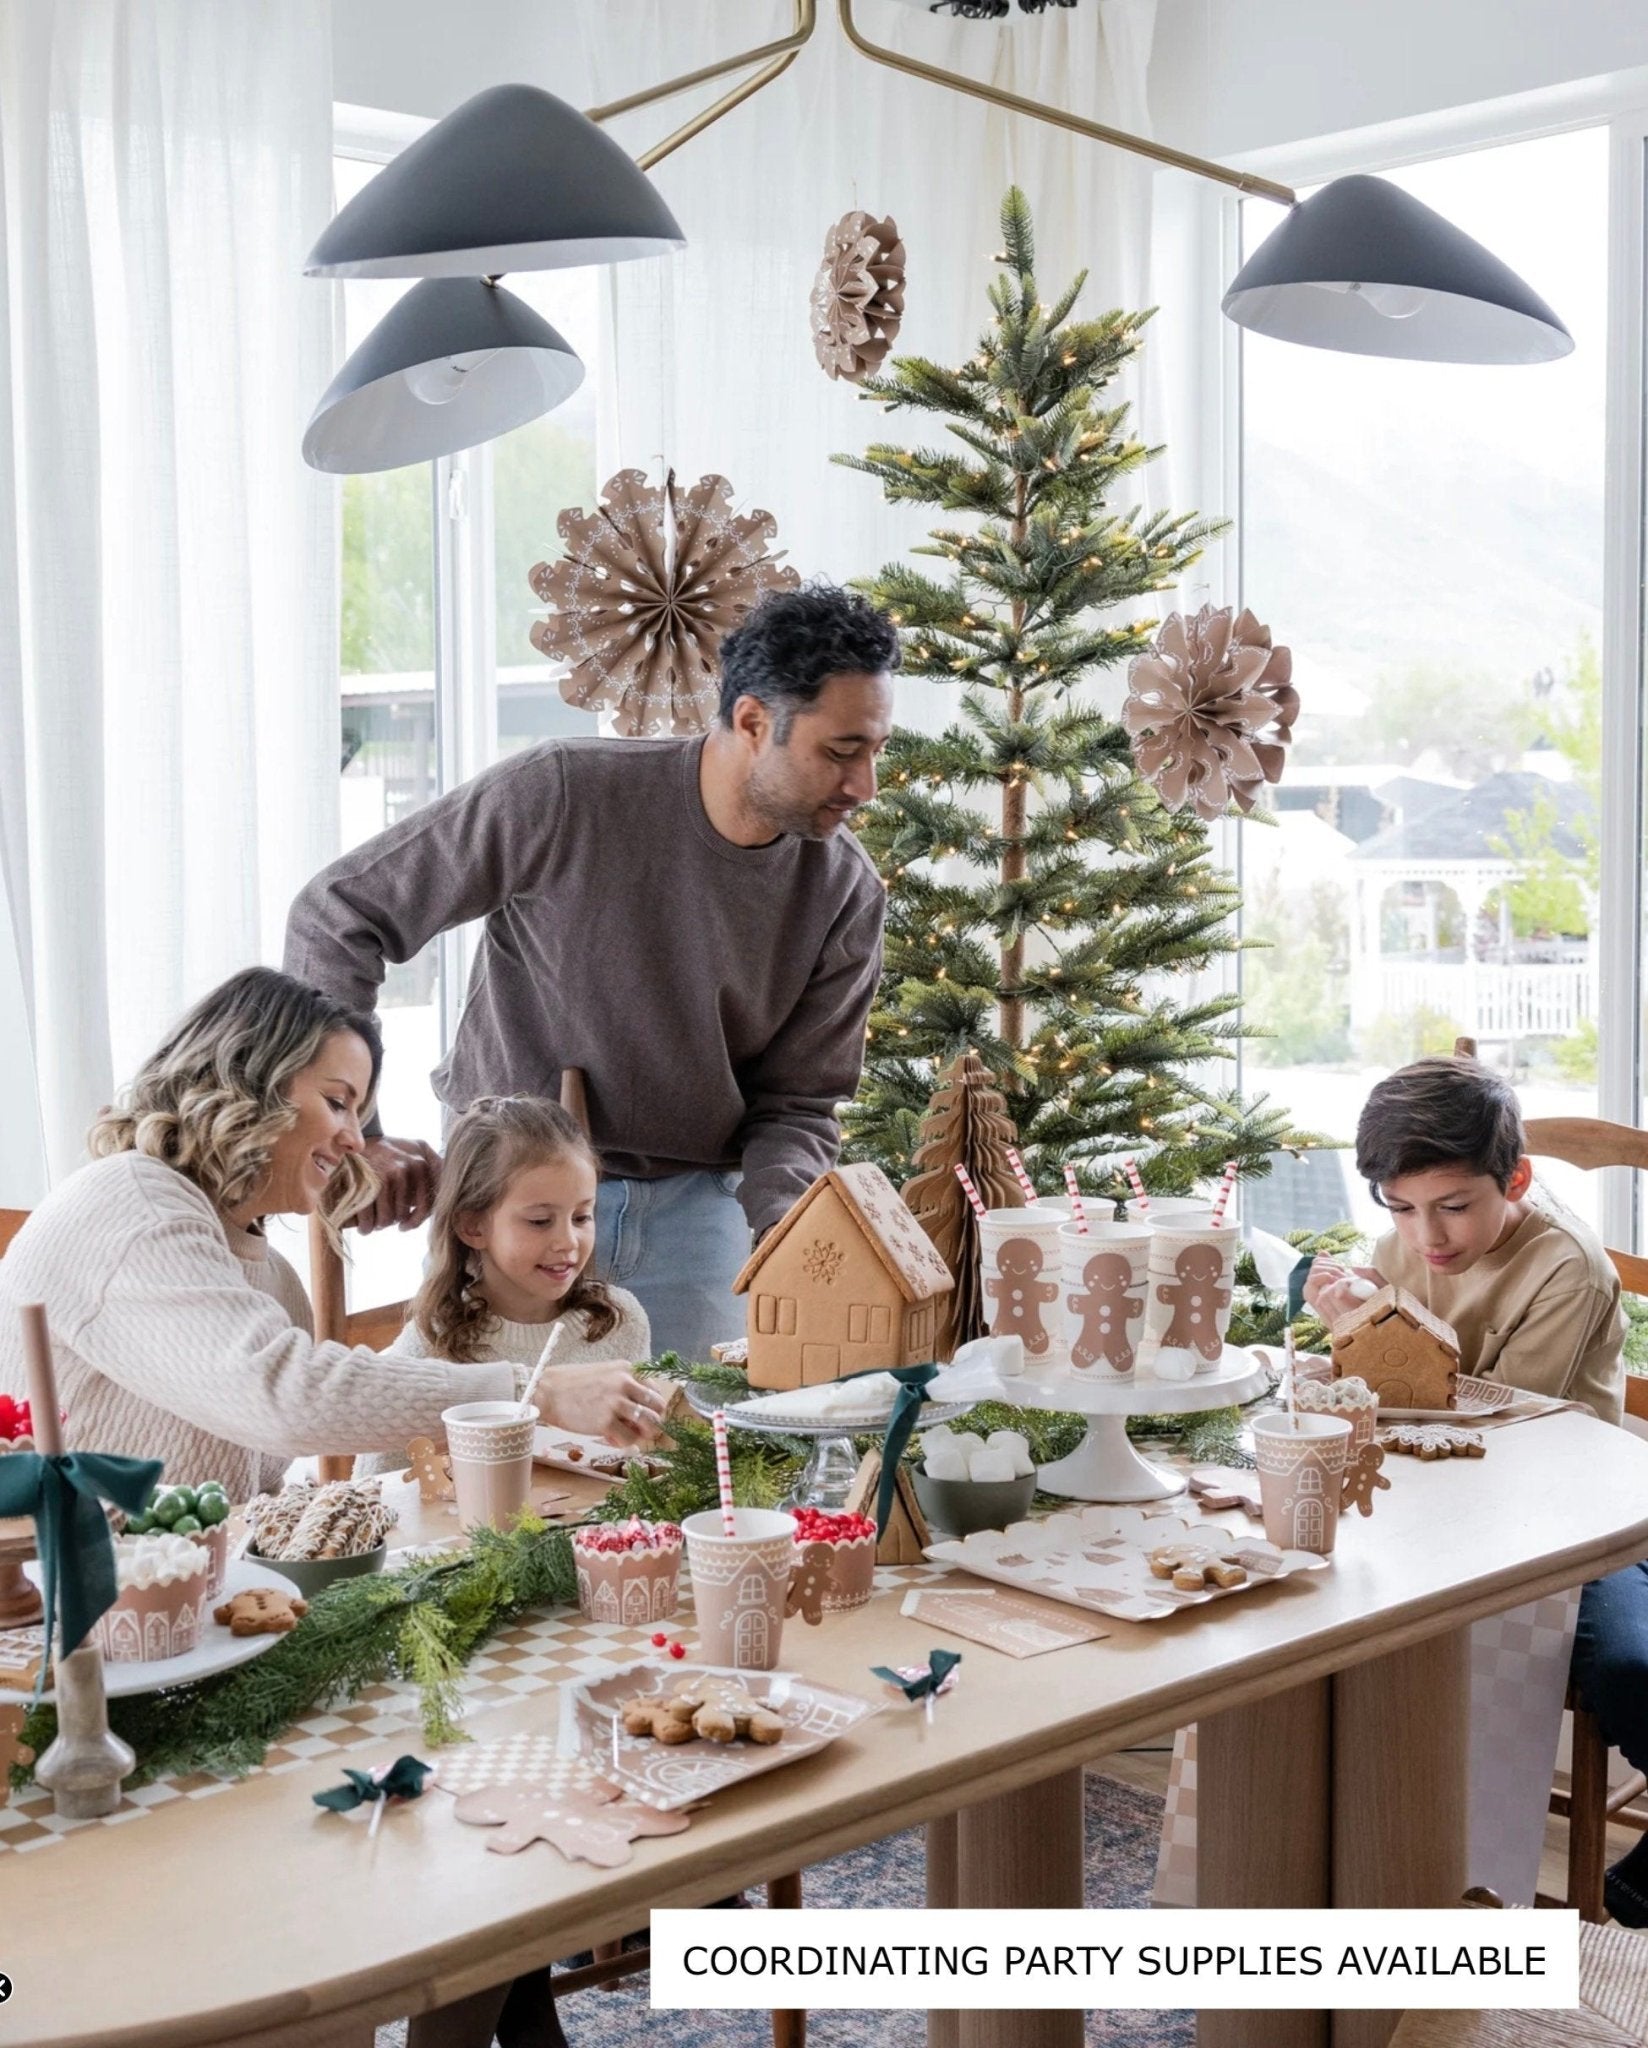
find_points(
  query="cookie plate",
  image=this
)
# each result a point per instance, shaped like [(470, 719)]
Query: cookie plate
[(673, 1775), (216, 1651)]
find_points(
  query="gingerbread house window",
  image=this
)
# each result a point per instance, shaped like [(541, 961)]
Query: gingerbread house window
[(766, 1314), (858, 1323), (881, 1323), (786, 1315)]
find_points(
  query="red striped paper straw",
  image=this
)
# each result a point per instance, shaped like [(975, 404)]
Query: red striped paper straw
[(1077, 1209), (1221, 1201), (1137, 1185), (970, 1191), (723, 1471), (1019, 1174)]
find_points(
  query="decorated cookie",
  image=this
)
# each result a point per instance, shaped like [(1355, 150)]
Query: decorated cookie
[(260, 1611), (1431, 1440), (667, 1720), (717, 1709)]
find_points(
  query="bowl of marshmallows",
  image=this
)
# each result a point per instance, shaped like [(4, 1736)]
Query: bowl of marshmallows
[(967, 1482)]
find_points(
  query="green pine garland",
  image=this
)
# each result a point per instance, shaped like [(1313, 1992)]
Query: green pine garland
[(422, 1623)]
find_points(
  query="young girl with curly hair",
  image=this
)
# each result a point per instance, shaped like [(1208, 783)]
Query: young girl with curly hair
[(510, 1241)]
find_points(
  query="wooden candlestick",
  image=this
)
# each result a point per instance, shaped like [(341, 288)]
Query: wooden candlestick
[(84, 1766)]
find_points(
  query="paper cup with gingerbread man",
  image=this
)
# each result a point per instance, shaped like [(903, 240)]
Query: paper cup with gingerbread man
[(1021, 1265), (1106, 1280), (1192, 1275)]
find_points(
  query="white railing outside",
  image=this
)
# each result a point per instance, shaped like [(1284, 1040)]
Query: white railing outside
[(1485, 1000)]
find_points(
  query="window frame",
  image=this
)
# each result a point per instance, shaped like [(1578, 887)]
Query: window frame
[(1207, 225)]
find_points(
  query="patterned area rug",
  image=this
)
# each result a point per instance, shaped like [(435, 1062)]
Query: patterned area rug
[(1123, 1826)]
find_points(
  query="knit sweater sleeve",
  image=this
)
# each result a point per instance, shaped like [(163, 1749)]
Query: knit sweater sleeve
[(176, 1324)]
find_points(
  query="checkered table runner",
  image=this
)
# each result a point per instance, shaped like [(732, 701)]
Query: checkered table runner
[(534, 1656)]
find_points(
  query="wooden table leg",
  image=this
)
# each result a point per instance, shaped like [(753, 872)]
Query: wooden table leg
[(1400, 1778), (1023, 1851), (943, 2028), (1263, 1784)]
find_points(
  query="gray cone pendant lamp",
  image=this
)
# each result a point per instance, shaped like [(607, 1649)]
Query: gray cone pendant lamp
[(514, 179), (1364, 267)]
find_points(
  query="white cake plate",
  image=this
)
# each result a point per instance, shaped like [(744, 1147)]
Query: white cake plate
[(1104, 1466)]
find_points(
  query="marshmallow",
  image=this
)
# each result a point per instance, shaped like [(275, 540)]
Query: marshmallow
[(990, 1466), (968, 1441), (940, 1433), (945, 1461), (157, 1560), (1175, 1362)]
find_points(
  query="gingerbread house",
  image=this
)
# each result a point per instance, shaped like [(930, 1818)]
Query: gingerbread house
[(1407, 1355), (847, 1282)]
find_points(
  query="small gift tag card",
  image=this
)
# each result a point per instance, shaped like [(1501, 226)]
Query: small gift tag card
[(1001, 1621)]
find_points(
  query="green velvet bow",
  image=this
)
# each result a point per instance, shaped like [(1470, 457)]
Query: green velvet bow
[(77, 1575), (912, 1392), (402, 1780), (940, 1663)]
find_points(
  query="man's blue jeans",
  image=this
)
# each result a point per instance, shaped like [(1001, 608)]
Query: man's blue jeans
[(1610, 1668), (677, 1245)]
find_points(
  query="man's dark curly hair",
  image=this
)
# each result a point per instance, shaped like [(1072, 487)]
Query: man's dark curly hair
[(794, 641)]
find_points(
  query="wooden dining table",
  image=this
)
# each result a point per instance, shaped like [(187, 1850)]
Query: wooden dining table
[(1332, 1711)]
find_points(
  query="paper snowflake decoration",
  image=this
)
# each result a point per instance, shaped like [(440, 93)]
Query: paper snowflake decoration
[(857, 298), (1211, 708), (823, 1260), (651, 583)]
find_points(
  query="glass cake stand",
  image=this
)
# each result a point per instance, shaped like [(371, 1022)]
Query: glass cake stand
[(827, 1477), (1104, 1466)]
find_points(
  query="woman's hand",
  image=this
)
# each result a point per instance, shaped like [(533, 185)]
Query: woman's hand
[(1335, 1291), (605, 1400)]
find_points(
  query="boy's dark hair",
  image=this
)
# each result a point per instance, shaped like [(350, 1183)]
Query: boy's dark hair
[(794, 641), (1444, 1111)]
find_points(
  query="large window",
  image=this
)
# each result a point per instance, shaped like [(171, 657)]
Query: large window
[(438, 676), (1429, 540)]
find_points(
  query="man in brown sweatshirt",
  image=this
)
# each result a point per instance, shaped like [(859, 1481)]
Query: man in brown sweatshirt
[(684, 921)]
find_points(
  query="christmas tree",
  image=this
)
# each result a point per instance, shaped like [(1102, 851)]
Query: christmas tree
[(1083, 898)]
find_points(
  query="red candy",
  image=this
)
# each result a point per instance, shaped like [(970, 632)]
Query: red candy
[(621, 1538), (15, 1420), (830, 1525), (659, 1640), (678, 1649)]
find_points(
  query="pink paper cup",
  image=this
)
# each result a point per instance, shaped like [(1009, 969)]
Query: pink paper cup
[(632, 1587), (1301, 1460), (1105, 1271), (491, 1447), (740, 1584)]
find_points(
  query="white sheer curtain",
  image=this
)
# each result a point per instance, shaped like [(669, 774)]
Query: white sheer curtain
[(168, 710), (712, 365)]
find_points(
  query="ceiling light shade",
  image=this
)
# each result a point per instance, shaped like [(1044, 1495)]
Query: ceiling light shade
[(514, 179), (1365, 267), (453, 363)]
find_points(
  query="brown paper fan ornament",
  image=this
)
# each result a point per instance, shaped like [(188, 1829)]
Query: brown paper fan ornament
[(857, 298), (1211, 708), (650, 584)]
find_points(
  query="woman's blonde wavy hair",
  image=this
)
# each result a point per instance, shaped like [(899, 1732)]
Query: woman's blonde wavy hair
[(213, 1098), (492, 1141)]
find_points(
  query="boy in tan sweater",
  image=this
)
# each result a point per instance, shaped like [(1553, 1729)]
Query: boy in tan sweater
[(1534, 1301)]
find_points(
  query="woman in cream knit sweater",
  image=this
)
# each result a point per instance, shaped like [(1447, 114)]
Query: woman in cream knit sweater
[(178, 1333)]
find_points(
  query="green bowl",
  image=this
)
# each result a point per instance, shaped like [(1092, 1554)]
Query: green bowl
[(961, 1507), (312, 1575)]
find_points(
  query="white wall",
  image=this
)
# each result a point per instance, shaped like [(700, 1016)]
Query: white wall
[(1230, 77)]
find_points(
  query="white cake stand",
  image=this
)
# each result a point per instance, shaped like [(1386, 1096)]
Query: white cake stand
[(1104, 1466)]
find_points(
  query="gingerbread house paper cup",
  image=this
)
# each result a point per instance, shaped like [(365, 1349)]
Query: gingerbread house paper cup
[(1104, 1297), (491, 1447), (1352, 1398), (149, 1623), (740, 1584), (1021, 1271), (215, 1542), (636, 1584), (847, 1558), (1191, 1274), (1301, 1460)]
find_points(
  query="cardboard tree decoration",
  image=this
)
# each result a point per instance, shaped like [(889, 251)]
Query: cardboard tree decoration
[(1406, 1354), (847, 1282), (906, 1536), (966, 1125)]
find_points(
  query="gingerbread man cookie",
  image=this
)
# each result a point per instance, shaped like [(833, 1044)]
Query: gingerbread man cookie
[(260, 1611), (1020, 1293), (810, 1582), (1195, 1297), (1106, 1310), (432, 1469)]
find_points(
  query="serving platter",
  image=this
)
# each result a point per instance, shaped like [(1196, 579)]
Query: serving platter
[(566, 1451), (673, 1775), (1099, 1558), (216, 1651)]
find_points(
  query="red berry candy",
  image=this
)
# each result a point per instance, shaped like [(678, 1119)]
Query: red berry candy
[(659, 1640), (678, 1649)]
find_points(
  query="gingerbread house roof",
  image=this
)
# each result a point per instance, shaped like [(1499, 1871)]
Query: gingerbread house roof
[(1397, 1301), (898, 1240)]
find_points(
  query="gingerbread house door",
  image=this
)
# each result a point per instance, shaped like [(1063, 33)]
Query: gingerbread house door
[(1309, 1525), (750, 1642), (820, 1362)]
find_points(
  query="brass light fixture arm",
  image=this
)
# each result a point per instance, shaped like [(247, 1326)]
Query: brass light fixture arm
[(774, 59), (1243, 181)]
